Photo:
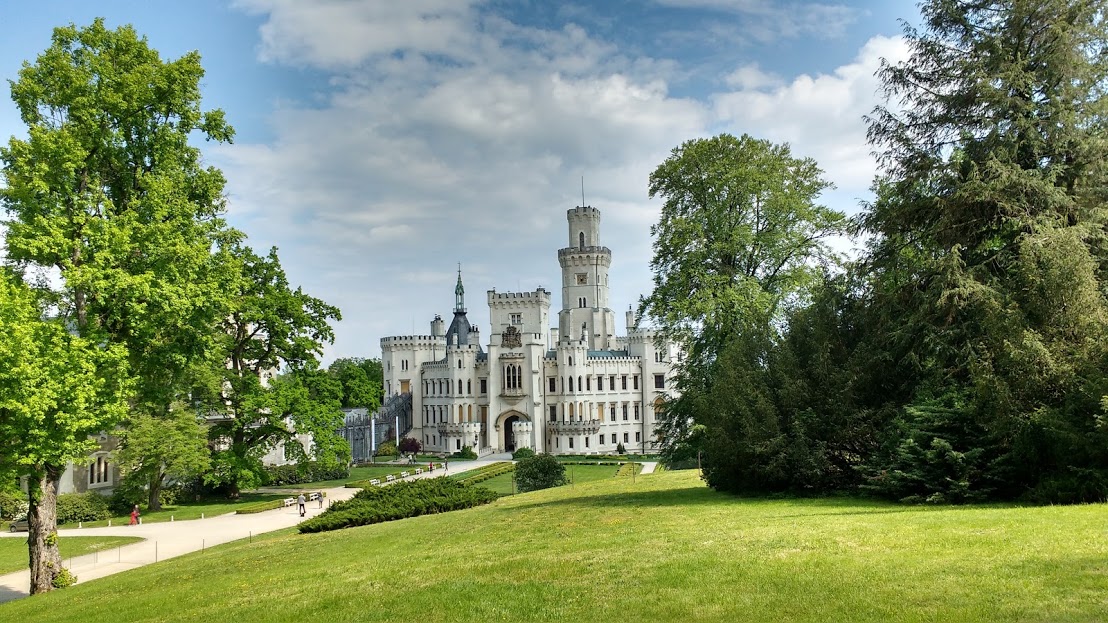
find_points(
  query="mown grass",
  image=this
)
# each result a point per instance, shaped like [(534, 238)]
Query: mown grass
[(659, 548), (13, 551), (191, 510), (356, 473)]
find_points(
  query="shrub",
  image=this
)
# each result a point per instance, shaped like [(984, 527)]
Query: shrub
[(410, 445), (305, 472), (523, 453), (399, 501), (12, 504), (541, 471), (74, 507), (465, 453), (620, 449), (386, 449), (64, 578)]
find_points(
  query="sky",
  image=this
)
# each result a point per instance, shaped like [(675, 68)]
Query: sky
[(381, 143)]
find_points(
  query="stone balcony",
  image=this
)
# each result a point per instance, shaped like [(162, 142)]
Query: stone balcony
[(582, 427)]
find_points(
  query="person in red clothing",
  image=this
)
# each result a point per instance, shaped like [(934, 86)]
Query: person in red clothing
[(134, 515)]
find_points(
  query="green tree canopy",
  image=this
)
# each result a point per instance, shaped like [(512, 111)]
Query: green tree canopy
[(153, 450), (541, 471)]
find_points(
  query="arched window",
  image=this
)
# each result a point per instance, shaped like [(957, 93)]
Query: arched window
[(581, 239), (571, 383), (459, 386)]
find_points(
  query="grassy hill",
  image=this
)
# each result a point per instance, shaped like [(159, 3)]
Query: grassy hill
[(662, 549)]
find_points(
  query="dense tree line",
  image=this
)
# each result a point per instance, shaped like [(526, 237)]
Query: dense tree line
[(963, 356)]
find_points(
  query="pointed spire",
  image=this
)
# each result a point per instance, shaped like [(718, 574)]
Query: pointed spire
[(459, 293)]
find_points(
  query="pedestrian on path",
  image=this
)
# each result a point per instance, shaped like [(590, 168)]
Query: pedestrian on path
[(134, 515), (320, 494), (431, 466), (300, 501), (446, 465)]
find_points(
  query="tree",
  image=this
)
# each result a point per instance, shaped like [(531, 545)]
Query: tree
[(410, 445), (106, 190), (361, 382), (988, 253), (155, 449), (740, 239), (57, 390), (541, 471), (271, 327)]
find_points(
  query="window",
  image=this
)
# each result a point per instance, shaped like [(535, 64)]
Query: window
[(612, 382), (469, 386), (638, 436), (579, 386), (459, 364), (571, 383), (580, 240), (484, 386), (659, 381), (588, 383), (459, 387), (553, 385), (613, 412), (624, 379), (557, 442), (569, 360), (625, 412), (513, 376), (599, 383), (586, 442), (517, 318), (571, 443), (636, 381), (458, 443), (625, 438), (582, 302), (636, 411), (659, 356), (553, 413), (614, 438)]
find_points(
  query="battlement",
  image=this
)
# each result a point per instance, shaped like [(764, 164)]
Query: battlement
[(602, 251), (411, 341), (583, 211), (539, 295)]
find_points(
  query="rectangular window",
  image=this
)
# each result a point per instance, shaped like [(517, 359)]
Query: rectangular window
[(484, 386), (557, 442), (614, 438), (636, 379), (571, 443), (612, 382), (659, 381), (517, 318), (624, 378), (553, 384), (599, 383), (613, 412), (625, 438), (458, 443), (625, 412), (588, 383), (638, 436), (469, 386), (553, 413), (586, 442), (582, 302)]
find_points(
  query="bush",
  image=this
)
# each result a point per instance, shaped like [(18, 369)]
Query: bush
[(305, 472), (13, 504), (541, 471), (620, 449), (410, 445), (399, 501), (74, 507), (64, 579), (386, 449), (465, 453), (523, 453)]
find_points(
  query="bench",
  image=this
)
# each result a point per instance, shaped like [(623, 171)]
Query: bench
[(289, 501), (390, 478), (375, 481), (404, 474), (312, 497), (419, 470)]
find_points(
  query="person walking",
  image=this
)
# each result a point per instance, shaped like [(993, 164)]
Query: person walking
[(134, 515), (300, 501)]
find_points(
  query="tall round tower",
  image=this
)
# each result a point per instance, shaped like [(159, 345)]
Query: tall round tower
[(585, 315)]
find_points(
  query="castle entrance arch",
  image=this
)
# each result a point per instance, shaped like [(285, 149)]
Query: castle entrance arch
[(508, 442)]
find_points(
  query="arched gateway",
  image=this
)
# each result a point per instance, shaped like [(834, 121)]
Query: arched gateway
[(506, 425)]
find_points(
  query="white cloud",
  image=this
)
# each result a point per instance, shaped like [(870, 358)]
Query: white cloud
[(766, 20)]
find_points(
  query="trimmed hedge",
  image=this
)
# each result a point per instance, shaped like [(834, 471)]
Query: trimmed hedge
[(362, 484), (401, 500), (482, 474), (305, 472), (74, 507)]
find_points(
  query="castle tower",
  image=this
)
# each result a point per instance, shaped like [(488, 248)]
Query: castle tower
[(585, 316), (461, 333)]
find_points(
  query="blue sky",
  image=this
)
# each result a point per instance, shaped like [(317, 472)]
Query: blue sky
[(379, 143)]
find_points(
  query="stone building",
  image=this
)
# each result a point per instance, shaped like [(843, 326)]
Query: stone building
[(576, 388)]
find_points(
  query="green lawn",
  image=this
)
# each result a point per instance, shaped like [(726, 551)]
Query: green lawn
[(13, 551), (208, 508), (659, 548), (356, 473), (581, 474)]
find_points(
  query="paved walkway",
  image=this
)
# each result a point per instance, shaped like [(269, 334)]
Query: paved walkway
[(165, 539)]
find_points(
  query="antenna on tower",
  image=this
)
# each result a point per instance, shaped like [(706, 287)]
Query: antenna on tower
[(582, 191)]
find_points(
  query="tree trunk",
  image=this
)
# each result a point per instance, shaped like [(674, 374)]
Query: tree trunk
[(154, 502), (42, 538)]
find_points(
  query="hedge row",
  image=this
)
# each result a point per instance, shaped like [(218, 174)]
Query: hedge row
[(484, 473), (410, 498), (592, 462), (305, 472), (260, 507), (73, 507)]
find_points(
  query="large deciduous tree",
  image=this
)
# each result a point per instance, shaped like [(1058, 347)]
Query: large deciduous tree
[(57, 390), (106, 190), (154, 449), (361, 381), (740, 238), (989, 250), (272, 329)]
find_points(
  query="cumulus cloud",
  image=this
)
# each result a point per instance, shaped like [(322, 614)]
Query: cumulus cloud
[(766, 20), (454, 135)]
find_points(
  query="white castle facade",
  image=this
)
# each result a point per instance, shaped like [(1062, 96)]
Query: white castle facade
[(577, 388)]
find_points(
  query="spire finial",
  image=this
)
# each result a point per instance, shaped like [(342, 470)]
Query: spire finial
[(459, 292)]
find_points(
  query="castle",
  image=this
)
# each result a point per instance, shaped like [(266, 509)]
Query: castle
[(577, 388)]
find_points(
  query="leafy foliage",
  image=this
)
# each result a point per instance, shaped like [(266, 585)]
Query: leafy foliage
[(311, 471), (74, 507), (387, 448), (153, 450), (410, 445), (398, 501), (466, 452), (541, 471), (523, 453)]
